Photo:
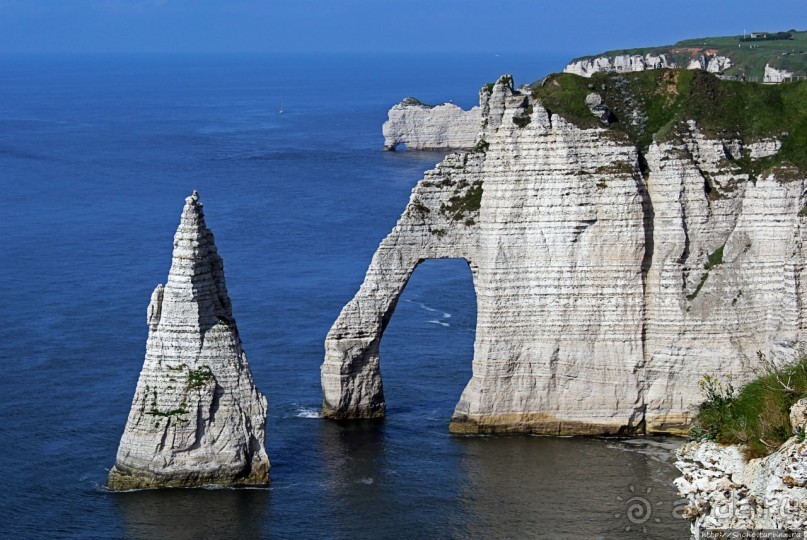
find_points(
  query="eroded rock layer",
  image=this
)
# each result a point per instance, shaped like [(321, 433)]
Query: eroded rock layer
[(197, 417), (608, 280)]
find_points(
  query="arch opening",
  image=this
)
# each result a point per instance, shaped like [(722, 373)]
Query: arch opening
[(427, 345)]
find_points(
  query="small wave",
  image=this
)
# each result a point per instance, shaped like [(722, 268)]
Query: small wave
[(443, 314), (441, 323), (366, 481), (662, 450), (101, 488), (307, 412)]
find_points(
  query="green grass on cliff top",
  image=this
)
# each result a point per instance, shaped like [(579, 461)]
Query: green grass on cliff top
[(663, 100), (747, 57), (757, 416)]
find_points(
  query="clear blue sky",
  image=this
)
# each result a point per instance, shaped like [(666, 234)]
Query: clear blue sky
[(573, 26)]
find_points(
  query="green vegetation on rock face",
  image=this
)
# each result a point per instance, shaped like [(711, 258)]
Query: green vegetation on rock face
[(523, 119), (420, 208), (463, 202), (166, 414), (656, 104), (481, 146), (758, 416), (199, 377), (714, 259), (412, 101), (747, 57)]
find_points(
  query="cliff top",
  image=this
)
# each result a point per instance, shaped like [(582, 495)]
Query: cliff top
[(415, 102), (748, 54), (657, 104)]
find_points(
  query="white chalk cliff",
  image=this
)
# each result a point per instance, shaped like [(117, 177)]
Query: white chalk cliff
[(196, 417), (713, 63), (430, 127), (586, 67), (726, 491), (607, 281), (775, 75), (625, 63)]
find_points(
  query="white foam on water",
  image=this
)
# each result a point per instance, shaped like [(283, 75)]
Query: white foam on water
[(443, 314), (307, 412)]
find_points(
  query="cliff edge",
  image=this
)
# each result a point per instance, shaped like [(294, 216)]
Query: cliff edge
[(196, 418), (625, 233)]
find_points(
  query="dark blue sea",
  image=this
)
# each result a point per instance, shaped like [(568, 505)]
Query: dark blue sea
[(96, 157)]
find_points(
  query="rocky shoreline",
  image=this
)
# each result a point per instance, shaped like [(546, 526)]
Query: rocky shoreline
[(724, 490)]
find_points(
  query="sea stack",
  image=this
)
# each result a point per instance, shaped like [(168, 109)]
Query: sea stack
[(197, 418)]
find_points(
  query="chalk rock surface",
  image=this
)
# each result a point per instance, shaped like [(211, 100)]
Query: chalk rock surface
[(607, 282), (713, 63), (598, 108), (586, 67), (774, 75), (196, 417), (724, 491), (430, 127)]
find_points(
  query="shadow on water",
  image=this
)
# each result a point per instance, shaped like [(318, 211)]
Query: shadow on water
[(185, 514), (569, 488), (353, 457)]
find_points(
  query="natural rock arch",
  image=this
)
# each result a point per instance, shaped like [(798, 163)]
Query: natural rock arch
[(351, 375), (428, 229), (590, 263)]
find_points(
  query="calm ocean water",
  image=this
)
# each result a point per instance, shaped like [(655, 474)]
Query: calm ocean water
[(96, 157)]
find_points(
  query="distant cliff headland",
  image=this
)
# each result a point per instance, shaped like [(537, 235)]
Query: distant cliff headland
[(627, 233), (771, 57)]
